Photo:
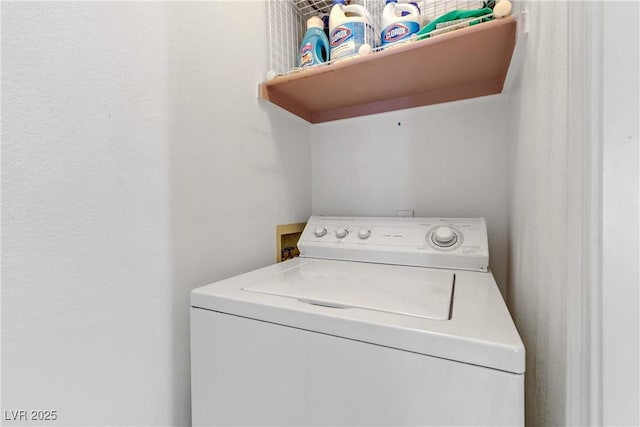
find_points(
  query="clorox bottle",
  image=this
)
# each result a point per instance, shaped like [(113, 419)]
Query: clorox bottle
[(399, 22), (314, 48), (350, 27)]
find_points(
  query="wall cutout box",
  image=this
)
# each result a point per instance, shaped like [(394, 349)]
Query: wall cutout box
[(287, 236)]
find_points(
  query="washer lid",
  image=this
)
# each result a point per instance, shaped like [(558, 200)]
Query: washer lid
[(407, 291)]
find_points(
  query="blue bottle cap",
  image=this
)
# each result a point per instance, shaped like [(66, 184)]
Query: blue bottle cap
[(391, 1), (338, 2)]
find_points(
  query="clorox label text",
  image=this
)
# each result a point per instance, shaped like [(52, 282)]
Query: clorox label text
[(395, 32), (339, 35), (399, 31)]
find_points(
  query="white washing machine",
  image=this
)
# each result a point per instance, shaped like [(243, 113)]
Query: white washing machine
[(381, 321)]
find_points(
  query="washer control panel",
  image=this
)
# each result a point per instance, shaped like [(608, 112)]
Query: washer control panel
[(454, 243)]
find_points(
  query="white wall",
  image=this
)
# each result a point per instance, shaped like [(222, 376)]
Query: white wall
[(620, 220), (538, 220), (441, 160), (136, 164), (544, 194)]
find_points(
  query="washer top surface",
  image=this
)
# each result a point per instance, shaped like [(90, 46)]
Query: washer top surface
[(402, 290), (478, 330), (413, 284)]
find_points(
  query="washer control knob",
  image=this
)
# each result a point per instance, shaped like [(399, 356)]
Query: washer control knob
[(341, 232), (320, 231), (444, 236), (364, 233)]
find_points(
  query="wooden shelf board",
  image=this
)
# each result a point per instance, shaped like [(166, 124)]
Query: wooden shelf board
[(461, 64)]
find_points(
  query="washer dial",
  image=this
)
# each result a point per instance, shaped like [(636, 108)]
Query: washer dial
[(444, 236), (320, 231), (341, 232), (364, 233)]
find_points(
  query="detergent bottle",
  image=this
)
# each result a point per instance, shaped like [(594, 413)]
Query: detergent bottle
[(350, 27), (314, 48), (399, 22)]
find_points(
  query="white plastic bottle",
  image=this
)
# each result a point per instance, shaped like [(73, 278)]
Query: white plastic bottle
[(399, 21), (350, 27)]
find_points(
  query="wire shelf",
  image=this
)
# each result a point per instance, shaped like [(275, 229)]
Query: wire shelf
[(288, 20)]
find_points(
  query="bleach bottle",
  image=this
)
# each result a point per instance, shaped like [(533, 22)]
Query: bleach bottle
[(314, 48), (350, 27), (399, 22)]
